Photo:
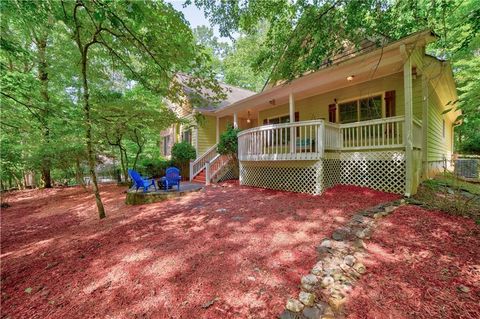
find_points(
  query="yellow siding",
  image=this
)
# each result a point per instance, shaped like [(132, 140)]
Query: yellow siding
[(417, 97), (206, 134), (438, 147), (224, 121)]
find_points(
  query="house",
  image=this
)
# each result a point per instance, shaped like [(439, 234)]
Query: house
[(375, 118)]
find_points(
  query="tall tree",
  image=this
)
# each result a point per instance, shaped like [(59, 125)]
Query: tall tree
[(150, 41)]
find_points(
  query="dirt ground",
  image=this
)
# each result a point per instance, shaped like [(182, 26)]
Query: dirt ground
[(225, 252), (422, 264)]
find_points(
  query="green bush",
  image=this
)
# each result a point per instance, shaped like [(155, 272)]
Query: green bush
[(153, 167), (183, 152), (228, 144)]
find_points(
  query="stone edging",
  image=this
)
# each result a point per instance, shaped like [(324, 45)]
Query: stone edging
[(325, 290)]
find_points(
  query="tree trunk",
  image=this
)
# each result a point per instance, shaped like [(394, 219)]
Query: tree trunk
[(125, 171), (43, 77), (79, 174), (88, 135), (123, 164)]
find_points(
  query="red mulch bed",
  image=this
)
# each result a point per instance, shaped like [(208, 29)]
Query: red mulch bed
[(165, 260), (419, 258)]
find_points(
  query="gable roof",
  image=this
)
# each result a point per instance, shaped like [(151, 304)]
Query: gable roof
[(202, 97)]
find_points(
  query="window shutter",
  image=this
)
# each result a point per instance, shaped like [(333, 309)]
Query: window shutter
[(389, 103), (332, 113), (297, 116)]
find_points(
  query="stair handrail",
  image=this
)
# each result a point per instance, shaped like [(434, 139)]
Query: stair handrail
[(216, 165), (208, 169), (198, 165)]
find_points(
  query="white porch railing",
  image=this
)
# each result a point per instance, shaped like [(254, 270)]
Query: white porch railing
[(288, 141), (308, 140), (373, 134), (213, 167), (199, 164)]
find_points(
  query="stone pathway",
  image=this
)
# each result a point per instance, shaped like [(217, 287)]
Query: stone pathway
[(325, 290)]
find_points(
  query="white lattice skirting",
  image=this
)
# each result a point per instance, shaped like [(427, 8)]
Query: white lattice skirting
[(379, 170)]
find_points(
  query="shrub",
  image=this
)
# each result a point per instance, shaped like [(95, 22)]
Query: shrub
[(153, 167), (183, 152), (228, 144)]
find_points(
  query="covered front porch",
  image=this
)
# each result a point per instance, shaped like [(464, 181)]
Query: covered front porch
[(361, 122)]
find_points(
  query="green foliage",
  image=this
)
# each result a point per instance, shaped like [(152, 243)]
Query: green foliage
[(132, 52), (228, 144), (183, 152), (153, 167)]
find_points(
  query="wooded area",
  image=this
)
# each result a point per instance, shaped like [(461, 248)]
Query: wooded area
[(87, 80)]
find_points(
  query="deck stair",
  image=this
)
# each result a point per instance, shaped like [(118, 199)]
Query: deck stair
[(211, 167)]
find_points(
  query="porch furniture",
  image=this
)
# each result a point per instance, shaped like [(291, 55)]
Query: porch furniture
[(141, 181), (172, 177)]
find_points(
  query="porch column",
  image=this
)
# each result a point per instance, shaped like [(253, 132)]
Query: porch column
[(291, 104), (407, 86), (425, 126), (235, 120), (218, 130)]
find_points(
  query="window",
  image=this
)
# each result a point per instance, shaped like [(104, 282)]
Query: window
[(371, 108), (348, 112), (278, 120), (332, 113), (361, 110), (187, 136), (166, 145)]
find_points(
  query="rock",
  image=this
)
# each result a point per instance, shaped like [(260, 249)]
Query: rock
[(322, 251), (377, 209), (360, 268), (463, 288), (307, 287), (237, 218), (328, 313), (377, 215), (360, 234), (310, 279), (287, 314), (251, 278), (340, 234), (209, 303), (294, 305), (327, 281), (326, 243), (221, 210), (360, 244), (389, 209), (312, 313), (337, 302), (317, 269), (349, 260), (306, 298), (413, 201)]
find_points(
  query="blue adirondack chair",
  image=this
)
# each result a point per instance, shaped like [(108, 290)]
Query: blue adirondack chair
[(140, 181), (172, 177)]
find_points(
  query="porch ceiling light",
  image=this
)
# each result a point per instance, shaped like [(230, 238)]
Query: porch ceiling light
[(248, 118), (350, 78)]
